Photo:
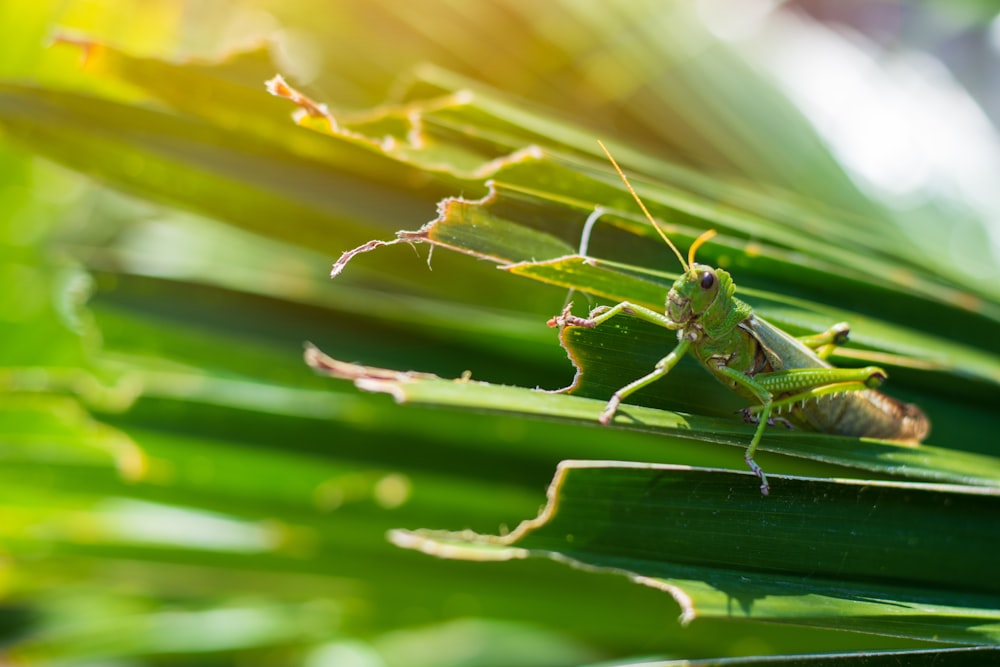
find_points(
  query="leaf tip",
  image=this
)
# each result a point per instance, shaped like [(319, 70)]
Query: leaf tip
[(348, 255), (462, 545), (307, 107), (89, 49)]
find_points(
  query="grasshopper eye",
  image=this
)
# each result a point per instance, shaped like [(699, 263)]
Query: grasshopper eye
[(707, 280)]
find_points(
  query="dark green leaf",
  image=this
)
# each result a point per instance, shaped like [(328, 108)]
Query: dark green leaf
[(817, 552)]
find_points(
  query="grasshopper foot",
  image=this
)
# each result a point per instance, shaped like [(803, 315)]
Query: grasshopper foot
[(750, 417), (765, 488), (609, 411), (566, 318), (560, 319)]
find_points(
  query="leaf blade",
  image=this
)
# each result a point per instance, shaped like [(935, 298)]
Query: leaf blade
[(818, 556)]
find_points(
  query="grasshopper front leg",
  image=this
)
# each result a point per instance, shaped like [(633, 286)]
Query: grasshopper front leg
[(603, 313)]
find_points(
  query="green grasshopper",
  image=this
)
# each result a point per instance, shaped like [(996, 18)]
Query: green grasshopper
[(784, 375)]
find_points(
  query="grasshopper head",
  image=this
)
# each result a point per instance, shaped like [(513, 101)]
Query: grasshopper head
[(692, 294)]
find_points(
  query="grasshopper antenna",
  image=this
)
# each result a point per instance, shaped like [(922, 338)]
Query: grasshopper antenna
[(656, 226), (698, 242)]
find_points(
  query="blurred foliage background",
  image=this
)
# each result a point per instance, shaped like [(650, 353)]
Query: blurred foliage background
[(179, 488)]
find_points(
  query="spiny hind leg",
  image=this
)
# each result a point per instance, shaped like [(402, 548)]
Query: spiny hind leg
[(800, 385), (797, 384), (751, 414)]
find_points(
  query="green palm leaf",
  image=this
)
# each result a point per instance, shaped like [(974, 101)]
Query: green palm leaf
[(179, 486)]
